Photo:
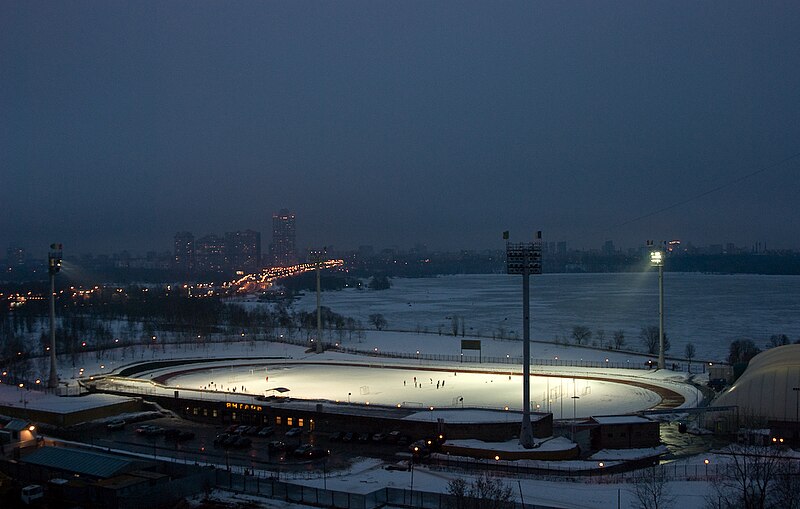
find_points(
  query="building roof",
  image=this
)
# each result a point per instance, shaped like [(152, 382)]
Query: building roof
[(765, 389), (77, 461), (621, 419), (16, 425)]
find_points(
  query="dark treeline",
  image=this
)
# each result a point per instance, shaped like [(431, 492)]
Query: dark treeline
[(108, 316)]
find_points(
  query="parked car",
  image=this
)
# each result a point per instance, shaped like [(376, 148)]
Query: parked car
[(393, 437), (219, 439), (294, 432), (242, 442), (266, 431), (172, 434), (379, 437), (231, 429), (150, 430), (276, 445), (336, 436), (185, 435), (400, 465), (347, 437), (31, 493), (317, 452), (302, 450), (115, 425), (363, 437), (230, 441)]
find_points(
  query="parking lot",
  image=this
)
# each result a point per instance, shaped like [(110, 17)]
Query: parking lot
[(280, 450)]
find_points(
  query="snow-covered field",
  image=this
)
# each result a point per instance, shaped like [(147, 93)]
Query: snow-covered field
[(707, 310)]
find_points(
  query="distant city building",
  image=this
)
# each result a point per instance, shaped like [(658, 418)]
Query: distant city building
[(284, 249), (15, 256), (209, 253), (243, 250), (183, 259), (561, 248), (608, 248)]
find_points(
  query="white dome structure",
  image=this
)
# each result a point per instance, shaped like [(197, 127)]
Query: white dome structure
[(765, 387)]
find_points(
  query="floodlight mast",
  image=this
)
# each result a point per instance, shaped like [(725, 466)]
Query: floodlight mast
[(657, 260), (53, 267), (525, 259)]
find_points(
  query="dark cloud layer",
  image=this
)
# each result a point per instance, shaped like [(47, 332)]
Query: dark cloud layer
[(391, 123)]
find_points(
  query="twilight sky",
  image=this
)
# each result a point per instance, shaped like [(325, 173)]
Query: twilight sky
[(392, 123)]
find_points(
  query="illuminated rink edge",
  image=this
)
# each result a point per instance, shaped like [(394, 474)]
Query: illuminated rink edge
[(581, 395)]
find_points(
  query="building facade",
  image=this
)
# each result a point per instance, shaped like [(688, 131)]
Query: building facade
[(284, 249), (243, 251)]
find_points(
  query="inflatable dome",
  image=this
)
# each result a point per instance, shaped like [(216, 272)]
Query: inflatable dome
[(765, 387)]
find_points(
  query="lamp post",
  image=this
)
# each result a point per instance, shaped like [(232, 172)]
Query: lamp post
[(796, 405), (657, 260), (317, 256), (53, 267), (525, 259)]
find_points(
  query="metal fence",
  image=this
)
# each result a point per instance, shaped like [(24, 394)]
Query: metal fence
[(295, 493)]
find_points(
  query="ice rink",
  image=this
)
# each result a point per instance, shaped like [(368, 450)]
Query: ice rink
[(420, 388)]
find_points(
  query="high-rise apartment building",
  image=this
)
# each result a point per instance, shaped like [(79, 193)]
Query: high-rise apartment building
[(284, 250), (243, 250), (183, 258), (209, 253)]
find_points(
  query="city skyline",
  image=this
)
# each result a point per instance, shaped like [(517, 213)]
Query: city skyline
[(398, 124)]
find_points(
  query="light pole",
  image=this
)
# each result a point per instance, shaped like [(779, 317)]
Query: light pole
[(796, 405), (53, 267), (525, 259), (657, 260), (316, 256)]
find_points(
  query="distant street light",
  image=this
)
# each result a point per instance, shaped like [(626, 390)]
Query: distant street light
[(53, 267), (657, 260)]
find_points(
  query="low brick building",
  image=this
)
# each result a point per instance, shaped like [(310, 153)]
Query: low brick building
[(623, 432)]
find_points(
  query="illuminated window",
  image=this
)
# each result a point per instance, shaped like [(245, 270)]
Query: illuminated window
[(278, 420), (194, 411), (205, 412), (233, 416), (214, 412), (288, 421), (300, 423)]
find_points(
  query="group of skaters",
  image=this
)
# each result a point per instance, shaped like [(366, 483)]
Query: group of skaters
[(213, 387), (439, 383)]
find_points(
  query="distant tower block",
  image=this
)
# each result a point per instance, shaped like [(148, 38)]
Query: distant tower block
[(284, 249)]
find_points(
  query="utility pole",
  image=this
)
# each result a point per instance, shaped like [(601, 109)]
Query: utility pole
[(53, 267), (525, 259)]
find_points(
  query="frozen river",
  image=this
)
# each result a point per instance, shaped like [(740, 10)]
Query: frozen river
[(707, 310), (419, 388)]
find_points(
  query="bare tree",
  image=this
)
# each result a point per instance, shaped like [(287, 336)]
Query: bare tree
[(649, 337), (689, 352), (652, 490), (619, 339), (778, 340), (581, 334), (753, 471), (600, 334), (378, 321), (454, 325), (485, 492)]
